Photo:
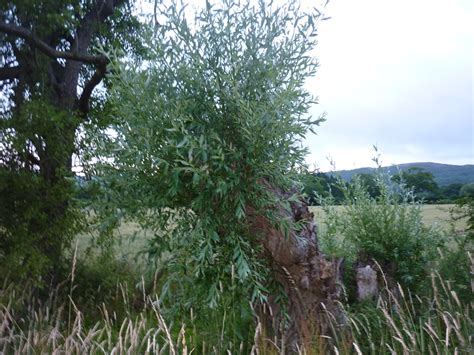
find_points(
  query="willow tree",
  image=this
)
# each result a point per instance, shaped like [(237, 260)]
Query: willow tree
[(50, 68), (206, 139)]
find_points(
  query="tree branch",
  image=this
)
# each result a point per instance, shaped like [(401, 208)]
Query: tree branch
[(10, 73), (83, 104), (48, 50), (99, 12), (32, 159), (82, 41)]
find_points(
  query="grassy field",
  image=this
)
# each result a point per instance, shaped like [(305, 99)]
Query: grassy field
[(131, 320), (132, 239), (439, 215)]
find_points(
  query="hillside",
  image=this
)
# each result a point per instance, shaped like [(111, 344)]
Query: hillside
[(444, 174)]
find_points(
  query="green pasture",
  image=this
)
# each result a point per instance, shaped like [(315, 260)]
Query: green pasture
[(132, 239), (439, 215)]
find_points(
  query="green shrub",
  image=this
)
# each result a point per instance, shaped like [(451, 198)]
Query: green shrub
[(37, 224), (96, 281), (218, 112), (467, 191), (387, 228), (455, 263), (459, 251)]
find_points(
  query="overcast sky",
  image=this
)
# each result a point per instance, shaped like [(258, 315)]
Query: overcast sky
[(397, 74)]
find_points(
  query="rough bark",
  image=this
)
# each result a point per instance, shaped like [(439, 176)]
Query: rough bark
[(311, 281)]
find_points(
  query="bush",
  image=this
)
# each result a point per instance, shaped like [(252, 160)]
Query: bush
[(218, 111), (387, 229), (459, 277), (459, 251), (467, 191), (36, 225)]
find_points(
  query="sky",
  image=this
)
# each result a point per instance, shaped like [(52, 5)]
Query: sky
[(396, 74)]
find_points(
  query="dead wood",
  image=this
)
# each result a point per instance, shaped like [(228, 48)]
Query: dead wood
[(312, 282)]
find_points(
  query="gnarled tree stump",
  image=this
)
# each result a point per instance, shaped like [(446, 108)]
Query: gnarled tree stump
[(311, 281)]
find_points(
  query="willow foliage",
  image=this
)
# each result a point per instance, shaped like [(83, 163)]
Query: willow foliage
[(219, 109)]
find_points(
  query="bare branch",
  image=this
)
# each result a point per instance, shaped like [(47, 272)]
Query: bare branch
[(99, 12), (48, 50), (83, 104), (84, 35)]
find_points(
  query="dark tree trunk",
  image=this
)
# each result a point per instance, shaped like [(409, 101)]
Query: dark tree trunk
[(311, 281), (50, 141)]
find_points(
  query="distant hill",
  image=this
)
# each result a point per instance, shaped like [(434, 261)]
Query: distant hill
[(444, 174)]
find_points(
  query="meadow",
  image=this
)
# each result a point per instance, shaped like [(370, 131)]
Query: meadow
[(110, 305), (438, 215), (132, 239)]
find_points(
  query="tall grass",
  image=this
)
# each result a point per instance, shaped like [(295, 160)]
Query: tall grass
[(396, 324), (106, 307), (403, 323)]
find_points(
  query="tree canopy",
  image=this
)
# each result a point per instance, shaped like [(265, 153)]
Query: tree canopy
[(51, 65), (205, 128)]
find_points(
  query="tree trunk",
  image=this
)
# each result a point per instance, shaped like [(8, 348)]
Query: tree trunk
[(311, 281), (50, 138)]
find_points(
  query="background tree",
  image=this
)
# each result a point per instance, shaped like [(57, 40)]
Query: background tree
[(450, 192), (421, 181), (370, 183), (467, 191), (321, 185), (207, 143), (49, 71)]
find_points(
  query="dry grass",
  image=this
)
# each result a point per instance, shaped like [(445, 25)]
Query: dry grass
[(401, 324), (133, 239)]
